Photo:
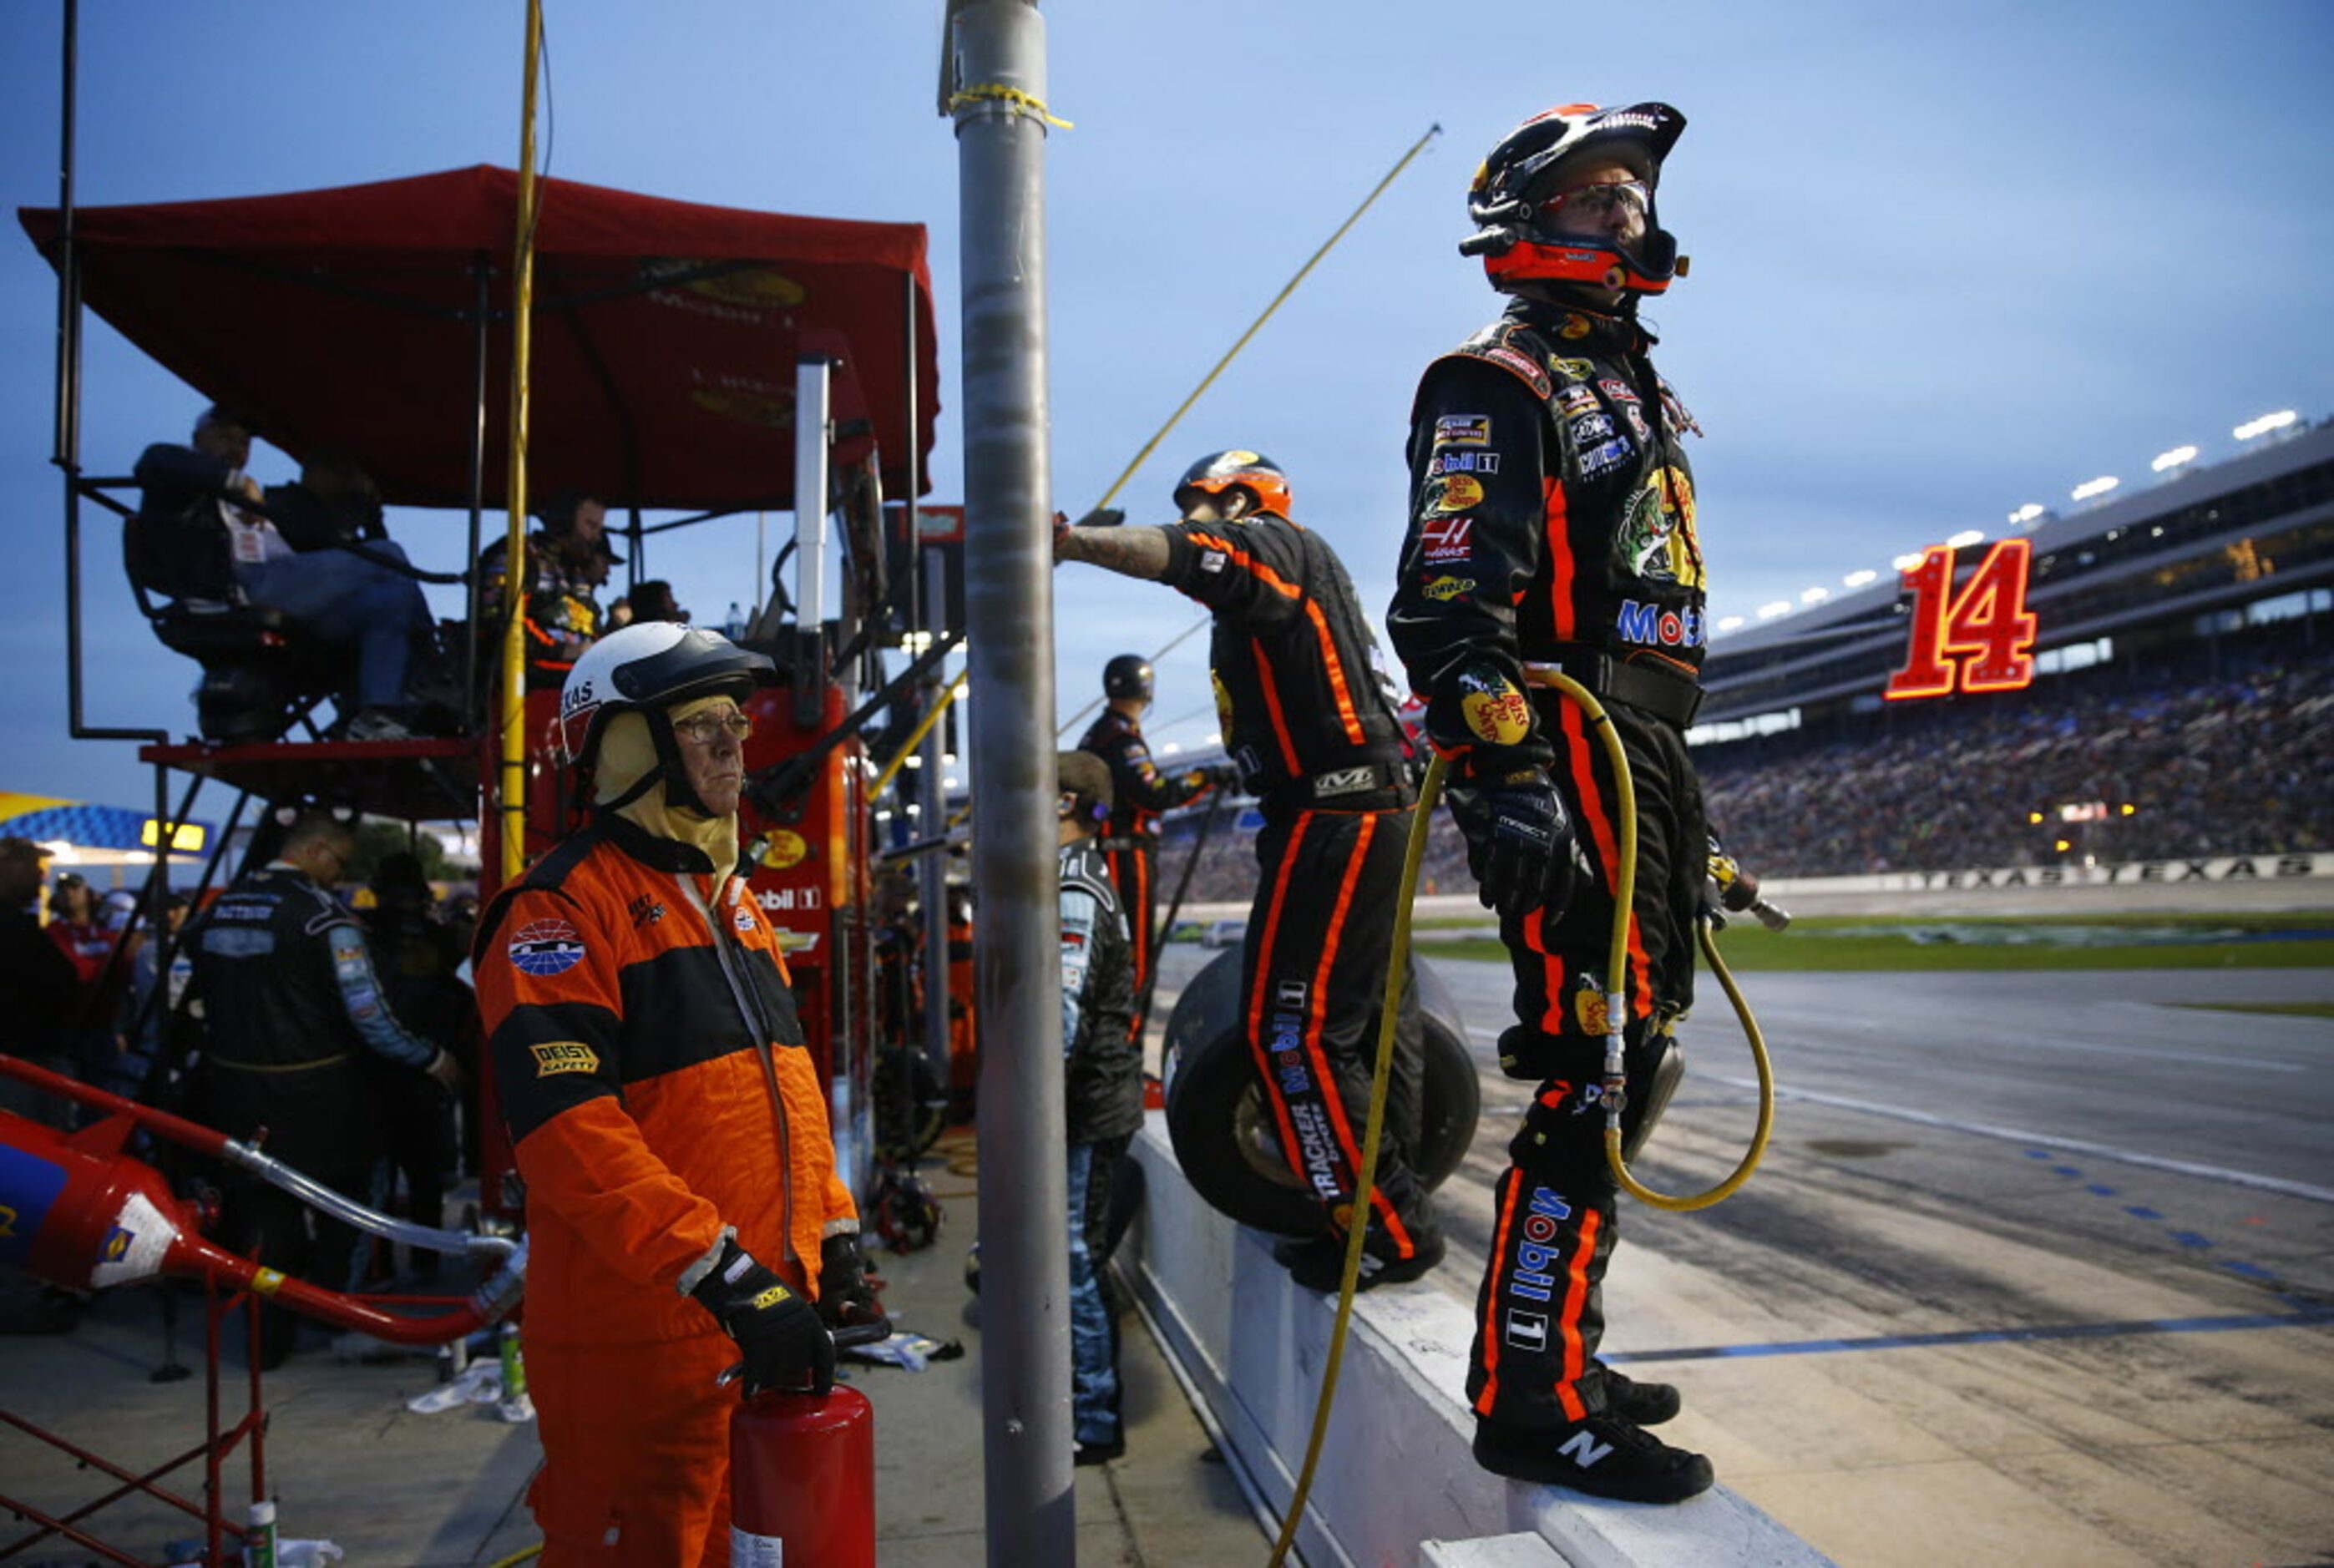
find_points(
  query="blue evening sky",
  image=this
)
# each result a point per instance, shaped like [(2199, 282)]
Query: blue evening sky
[(1946, 259)]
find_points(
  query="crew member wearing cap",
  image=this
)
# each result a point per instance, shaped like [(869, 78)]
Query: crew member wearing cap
[(1552, 521), (683, 1208), (1308, 720)]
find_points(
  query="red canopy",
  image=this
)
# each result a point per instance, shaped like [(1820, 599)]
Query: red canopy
[(666, 333)]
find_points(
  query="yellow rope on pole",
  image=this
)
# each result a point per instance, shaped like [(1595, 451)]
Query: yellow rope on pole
[(1286, 289), (511, 785), (916, 736), (1012, 97)]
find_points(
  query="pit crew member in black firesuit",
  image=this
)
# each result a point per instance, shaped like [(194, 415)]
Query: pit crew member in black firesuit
[(1101, 1096), (1312, 728), (1130, 841), (1552, 520), (295, 1006)]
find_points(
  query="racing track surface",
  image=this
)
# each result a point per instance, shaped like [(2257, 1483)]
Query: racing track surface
[(2038, 1270)]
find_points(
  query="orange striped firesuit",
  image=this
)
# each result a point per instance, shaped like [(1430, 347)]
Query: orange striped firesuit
[(652, 1073), (1307, 718), (1552, 520)]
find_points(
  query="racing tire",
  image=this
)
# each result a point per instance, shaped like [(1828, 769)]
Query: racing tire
[(1223, 1136)]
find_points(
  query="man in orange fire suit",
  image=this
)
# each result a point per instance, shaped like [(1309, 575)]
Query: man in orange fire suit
[(1552, 521), (1313, 731), (683, 1208)]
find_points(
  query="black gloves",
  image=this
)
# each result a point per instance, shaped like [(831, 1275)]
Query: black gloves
[(1518, 842), (786, 1345), (844, 1295), (1222, 774)]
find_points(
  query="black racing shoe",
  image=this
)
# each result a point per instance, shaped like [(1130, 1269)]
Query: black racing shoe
[(1319, 1263), (1639, 1404), (1602, 1456), (1098, 1453)]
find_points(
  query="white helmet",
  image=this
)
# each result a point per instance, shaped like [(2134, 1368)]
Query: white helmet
[(647, 668)]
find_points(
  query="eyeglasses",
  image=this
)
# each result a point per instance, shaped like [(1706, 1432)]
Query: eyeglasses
[(1599, 200), (708, 727)]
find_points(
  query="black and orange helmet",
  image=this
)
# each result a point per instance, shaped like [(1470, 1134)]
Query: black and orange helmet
[(1512, 188), (1253, 472)]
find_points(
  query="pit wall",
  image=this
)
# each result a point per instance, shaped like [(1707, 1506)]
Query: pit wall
[(1397, 1484), (2206, 885)]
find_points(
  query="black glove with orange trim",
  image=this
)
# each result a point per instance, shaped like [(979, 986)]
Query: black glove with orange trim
[(1518, 842), (787, 1346)]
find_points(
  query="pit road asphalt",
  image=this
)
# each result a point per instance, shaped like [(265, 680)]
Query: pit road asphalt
[(2039, 1267)]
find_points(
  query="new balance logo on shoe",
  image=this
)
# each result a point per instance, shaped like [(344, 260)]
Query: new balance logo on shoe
[(1583, 1448)]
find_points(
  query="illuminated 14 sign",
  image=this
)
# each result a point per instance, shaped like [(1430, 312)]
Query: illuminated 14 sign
[(1980, 639)]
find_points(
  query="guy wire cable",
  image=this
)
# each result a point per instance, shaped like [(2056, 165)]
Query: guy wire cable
[(1233, 352)]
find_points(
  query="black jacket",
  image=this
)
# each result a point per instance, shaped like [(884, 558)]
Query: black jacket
[(1139, 791), (176, 545), (1102, 1062), (1298, 685), (1552, 517), (287, 980)]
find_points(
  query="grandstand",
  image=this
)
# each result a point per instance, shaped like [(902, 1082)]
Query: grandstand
[(2182, 703)]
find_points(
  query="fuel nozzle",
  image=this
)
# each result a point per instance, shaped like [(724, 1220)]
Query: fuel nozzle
[(1738, 889)]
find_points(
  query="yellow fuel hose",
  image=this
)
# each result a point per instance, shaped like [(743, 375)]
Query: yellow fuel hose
[(1624, 891), (1430, 793)]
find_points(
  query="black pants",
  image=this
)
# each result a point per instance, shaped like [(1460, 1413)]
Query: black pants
[(1312, 975), (319, 1122), (1539, 1315), (1130, 874)]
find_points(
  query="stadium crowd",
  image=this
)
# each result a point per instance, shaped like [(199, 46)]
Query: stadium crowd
[(2222, 760)]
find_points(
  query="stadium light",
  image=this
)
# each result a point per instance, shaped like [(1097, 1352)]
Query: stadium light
[(914, 760), (2128, 809), (2098, 486), (1966, 538), (2030, 513), (1814, 595), (1859, 578), (2034, 819), (2264, 425), (2064, 846), (1731, 623), (2167, 461), (1213, 740), (1909, 559), (1170, 748), (1769, 612), (952, 781)]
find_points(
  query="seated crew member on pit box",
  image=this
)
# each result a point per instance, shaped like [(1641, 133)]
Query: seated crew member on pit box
[(202, 532)]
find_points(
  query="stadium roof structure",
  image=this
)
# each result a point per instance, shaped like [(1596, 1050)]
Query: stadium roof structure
[(2150, 562), (666, 336)]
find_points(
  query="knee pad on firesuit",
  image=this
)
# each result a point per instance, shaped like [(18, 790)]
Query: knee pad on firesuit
[(1574, 1065)]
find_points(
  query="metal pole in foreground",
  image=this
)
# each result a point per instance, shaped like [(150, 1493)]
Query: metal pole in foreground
[(997, 81), (931, 798)]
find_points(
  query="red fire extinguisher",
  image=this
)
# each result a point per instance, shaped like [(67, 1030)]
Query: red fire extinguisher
[(802, 1473)]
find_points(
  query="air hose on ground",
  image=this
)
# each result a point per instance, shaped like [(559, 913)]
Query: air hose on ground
[(1616, 1084)]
